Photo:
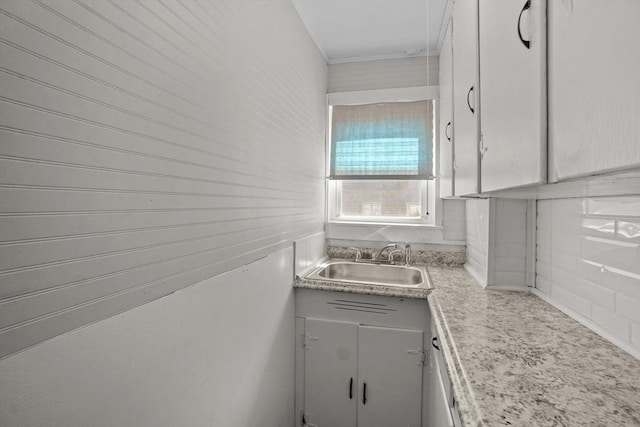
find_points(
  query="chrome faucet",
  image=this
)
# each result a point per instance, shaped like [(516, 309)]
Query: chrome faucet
[(358, 253), (384, 248)]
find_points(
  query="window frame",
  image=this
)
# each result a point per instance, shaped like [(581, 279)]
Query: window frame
[(430, 201)]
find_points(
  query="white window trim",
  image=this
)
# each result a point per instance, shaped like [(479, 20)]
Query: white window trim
[(431, 200)]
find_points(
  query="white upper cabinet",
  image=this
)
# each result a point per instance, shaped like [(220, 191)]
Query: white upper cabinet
[(594, 87), (512, 40), (446, 116), (465, 96)]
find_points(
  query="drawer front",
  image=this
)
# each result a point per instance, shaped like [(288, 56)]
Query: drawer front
[(363, 309)]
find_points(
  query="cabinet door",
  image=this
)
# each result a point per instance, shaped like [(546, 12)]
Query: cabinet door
[(390, 377), (513, 93), (446, 116), (465, 95), (594, 87), (330, 369), (438, 412)]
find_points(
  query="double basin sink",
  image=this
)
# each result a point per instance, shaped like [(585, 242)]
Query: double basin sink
[(363, 273)]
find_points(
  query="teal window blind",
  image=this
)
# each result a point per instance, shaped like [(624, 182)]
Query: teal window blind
[(382, 141)]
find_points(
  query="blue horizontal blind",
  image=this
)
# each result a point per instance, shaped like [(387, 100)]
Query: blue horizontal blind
[(382, 141)]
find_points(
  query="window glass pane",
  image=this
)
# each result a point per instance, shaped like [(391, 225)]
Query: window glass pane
[(388, 139), (381, 198)]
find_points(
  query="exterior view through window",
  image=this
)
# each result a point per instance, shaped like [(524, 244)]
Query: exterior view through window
[(381, 157)]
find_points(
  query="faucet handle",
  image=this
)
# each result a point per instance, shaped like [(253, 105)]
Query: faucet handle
[(395, 251), (358, 253)]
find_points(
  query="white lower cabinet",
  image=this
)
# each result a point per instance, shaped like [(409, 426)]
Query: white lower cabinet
[(361, 375), (441, 410), (359, 360)]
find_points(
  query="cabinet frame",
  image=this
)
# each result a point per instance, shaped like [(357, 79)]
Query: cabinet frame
[(400, 313)]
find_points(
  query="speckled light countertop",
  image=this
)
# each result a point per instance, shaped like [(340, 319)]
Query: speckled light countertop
[(515, 360)]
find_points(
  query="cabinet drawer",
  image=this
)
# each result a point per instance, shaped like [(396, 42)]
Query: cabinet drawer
[(363, 309)]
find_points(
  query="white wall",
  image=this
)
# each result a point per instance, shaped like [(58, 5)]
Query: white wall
[(219, 353), (497, 241), (510, 243), (145, 147), (588, 263), (477, 229), (383, 74)]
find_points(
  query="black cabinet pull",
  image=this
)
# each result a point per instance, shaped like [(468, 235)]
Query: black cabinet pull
[(364, 394), (469, 102), (445, 131), (434, 342), (526, 6), (351, 388)]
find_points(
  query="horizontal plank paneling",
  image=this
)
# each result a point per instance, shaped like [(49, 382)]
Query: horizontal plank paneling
[(146, 146), (383, 74)]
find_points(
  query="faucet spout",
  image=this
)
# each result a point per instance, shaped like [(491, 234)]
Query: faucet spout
[(384, 248)]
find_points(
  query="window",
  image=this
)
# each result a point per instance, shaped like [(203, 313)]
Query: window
[(381, 158)]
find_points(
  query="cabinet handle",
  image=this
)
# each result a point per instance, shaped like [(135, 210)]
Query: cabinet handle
[(526, 6), (364, 394), (351, 388), (469, 102), (434, 342), (446, 134)]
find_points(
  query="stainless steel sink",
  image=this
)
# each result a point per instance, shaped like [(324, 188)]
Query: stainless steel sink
[(371, 274)]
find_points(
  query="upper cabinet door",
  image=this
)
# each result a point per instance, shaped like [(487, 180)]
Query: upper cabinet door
[(465, 96), (446, 116), (513, 93), (594, 87)]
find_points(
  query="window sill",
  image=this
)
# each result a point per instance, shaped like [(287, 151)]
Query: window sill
[(369, 224)]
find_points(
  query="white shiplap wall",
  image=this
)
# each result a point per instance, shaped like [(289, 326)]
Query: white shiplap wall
[(510, 243), (146, 146), (218, 353), (588, 263), (383, 74), (497, 242), (477, 229)]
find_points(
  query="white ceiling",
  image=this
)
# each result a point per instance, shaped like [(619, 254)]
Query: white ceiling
[(359, 30)]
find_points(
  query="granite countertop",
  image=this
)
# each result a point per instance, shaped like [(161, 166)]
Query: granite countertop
[(515, 360)]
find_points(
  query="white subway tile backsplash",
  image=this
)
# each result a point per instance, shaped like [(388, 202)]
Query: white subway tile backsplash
[(628, 307), (543, 269), (543, 285), (566, 261), (621, 281), (543, 240), (635, 334), (568, 207), (562, 241), (588, 261), (571, 300), (614, 206), (628, 231), (621, 255), (589, 270), (605, 228), (594, 293), (615, 323)]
